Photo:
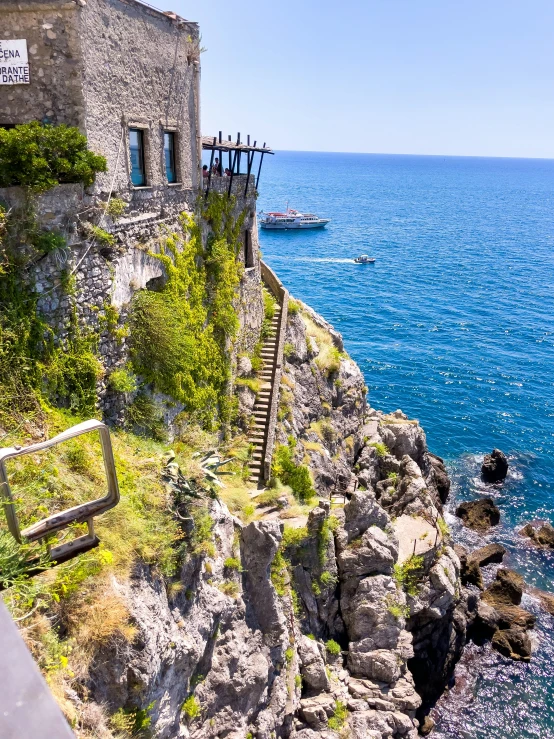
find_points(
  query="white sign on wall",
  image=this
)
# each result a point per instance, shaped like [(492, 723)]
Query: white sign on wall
[(14, 62)]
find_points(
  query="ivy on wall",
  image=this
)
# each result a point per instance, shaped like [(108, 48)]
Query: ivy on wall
[(181, 337)]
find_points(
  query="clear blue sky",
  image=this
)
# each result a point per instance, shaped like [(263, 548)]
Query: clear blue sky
[(395, 76)]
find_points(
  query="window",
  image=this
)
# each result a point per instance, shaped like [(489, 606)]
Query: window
[(169, 153), (136, 144)]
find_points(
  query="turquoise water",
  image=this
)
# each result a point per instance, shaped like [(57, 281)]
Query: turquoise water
[(455, 325)]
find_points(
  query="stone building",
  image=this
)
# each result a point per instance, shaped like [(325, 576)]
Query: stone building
[(127, 75)]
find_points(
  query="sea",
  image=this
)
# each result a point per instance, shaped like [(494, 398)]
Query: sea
[(454, 324)]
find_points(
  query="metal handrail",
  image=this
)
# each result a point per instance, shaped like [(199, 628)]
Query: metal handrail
[(82, 513)]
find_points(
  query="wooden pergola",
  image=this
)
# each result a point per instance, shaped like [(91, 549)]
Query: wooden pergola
[(235, 150)]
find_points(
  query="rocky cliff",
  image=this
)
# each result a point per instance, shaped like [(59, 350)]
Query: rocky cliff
[(346, 624)]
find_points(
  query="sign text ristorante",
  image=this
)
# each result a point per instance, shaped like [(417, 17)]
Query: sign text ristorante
[(14, 62)]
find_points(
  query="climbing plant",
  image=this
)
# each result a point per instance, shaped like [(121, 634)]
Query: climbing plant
[(181, 337)]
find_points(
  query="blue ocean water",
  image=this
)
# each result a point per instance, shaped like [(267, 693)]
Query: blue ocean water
[(454, 324)]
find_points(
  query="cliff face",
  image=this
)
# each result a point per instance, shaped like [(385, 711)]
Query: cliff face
[(351, 623)]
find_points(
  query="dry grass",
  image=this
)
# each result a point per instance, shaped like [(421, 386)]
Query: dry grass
[(328, 358)]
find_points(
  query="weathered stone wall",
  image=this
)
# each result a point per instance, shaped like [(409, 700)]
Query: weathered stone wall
[(141, 69), (104, 278), (55, 93)]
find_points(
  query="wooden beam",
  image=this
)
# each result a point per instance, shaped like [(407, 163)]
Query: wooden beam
[(210, 170)]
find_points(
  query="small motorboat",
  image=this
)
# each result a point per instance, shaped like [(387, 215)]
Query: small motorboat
[(364, 259)]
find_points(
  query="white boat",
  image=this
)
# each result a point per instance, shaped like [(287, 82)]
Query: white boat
[(291, 219), (364, 259)]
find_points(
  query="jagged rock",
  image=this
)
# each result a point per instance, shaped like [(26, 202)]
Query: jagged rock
[(471, 563), (376, 664), (514, 643), (479, 515), (542, 536), (368, 613), (381, 725), (375, 552), (361, 512), (489, 554), (244, 366), (403, 437), (312, 665), (260, 542), (316, 711), (507, 589), (440, 476), (427, 726), (495, 466), (485, 623)]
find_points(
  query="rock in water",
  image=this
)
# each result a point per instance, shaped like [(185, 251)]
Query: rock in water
[(514, 643), (479, 515), (543, 536), (495, 466), (489, 554)]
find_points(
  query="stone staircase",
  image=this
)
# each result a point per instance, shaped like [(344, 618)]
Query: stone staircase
[(261, 415)]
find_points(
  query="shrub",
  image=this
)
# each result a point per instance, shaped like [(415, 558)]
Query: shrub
[(293, 307), (288, 350), (408, 574), (230, 588), (297, 477), (381, 449), (122, 381), (289, 654), (333, 647), (298, 681), (40, 157), (232, 563), (191, 707), (146, 416), (293, 538), (100, 235), (443, 527), (116, 207), (328, 579), (270, 305), (340, 714)]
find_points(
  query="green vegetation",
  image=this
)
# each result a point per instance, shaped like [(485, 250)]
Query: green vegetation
[(115, 208), (328, 528), (328, 580), (100, 235), (408, 574), (393, 477), (39, 157), (381, 449), (293, 307), (297, 477), (191, 707), (333, 647), (396, 609), (324, 429), (180, 336), (340, 714), (123, 381), (289, 654), (298, 681), (231, 589), (443, 527), (252, 382), (232, 563), (288, 350)]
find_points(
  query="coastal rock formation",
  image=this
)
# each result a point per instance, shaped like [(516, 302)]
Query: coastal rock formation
[(495, 466), (542, 535), (479, 515)]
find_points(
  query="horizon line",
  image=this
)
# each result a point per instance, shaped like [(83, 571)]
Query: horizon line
[(402, 154)]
